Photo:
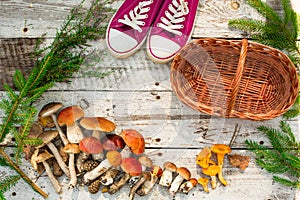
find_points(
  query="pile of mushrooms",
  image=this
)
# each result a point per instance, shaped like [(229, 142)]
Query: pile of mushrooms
[(209, 167), (89, 152)]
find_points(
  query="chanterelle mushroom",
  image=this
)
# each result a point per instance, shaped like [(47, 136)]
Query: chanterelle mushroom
[(183, 174), (203, 158), (42, 157), (98, 125), (49, 110), (212, 171), (221, 150), (72, 149), (204, 182), (167, 175), (47, 137), (69, 116)]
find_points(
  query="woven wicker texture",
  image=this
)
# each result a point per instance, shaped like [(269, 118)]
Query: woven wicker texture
[(234, 78)]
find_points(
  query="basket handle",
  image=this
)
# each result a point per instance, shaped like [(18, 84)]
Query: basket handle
[(237, 77)]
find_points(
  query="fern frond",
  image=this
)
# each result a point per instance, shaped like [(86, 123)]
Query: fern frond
[(8, 182)]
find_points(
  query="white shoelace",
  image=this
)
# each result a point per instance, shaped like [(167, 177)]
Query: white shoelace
[(174, 16), (137, 15)]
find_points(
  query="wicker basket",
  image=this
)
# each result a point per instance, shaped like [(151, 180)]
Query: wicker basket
[(234, 79)]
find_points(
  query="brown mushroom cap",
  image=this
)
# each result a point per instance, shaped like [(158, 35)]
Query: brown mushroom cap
[(50, 108), (170, 166), (131, 166), (146, 161), (91, 145), (212, 170), (113, 142), (98, 124), (193, 181), (114, 158), (220, 149), (71, 148), (134, 140), (156, 171), (38, 157), (184, 172), (48, 136), (69, 115)]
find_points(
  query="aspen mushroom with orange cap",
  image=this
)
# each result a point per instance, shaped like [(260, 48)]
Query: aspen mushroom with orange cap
[(99, 126), (42, 157), (69, 117), (212, 171), (134, 141), (221, 150), (88, 146), (72, 149), (182, 174)]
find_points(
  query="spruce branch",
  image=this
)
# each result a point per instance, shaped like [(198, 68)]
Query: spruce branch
[(55, 63), (283, 158), (278, 31)]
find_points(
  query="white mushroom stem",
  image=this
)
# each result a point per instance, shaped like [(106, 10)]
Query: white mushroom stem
[(142, 179), (52, 178), (74, 133), (59, 159), (96, 172), (98, 156), (186, 187), (175, 185), (73, 180), (60, 132), (147, 186), (118, 184), (80, 160), (166, 178)]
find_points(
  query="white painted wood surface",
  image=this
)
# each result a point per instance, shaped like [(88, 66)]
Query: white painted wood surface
[(137, 94)]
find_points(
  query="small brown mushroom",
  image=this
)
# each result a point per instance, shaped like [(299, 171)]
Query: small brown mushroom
[(182, 174), (47, 137), (49, 110), (42, 157), (167, 175), (212, 171), (187, 186), (69, 116), (204, 182), (72, 149), (221, 150)]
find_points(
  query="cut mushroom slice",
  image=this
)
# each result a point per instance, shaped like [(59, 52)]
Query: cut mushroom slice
[(155, 173), (69, 116), (221, 150), (47, 137), (145, 176), (42, 157), (72, 149), (182, 174), (98, 125), (187, 186), (212, 171), (204, 182), (88, 145), (49, 110), (167, 176)]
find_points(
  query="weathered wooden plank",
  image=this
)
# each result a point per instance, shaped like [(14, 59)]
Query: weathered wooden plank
[(31, 19), (251, 184)]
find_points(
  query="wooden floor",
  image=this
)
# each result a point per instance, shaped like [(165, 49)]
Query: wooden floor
[(138, 95)]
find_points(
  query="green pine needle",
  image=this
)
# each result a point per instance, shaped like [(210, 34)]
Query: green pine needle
[(8, 182)]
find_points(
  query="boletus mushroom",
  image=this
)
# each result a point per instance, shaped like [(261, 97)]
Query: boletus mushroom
[(182, 174), (72, 149), (167, 175), (187, 186)]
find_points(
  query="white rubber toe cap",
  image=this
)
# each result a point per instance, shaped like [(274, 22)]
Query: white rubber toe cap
[(120, 43), (162, 48)]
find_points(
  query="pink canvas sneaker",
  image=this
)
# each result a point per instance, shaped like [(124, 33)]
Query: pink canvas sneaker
[(171, 29), (130, 25)]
